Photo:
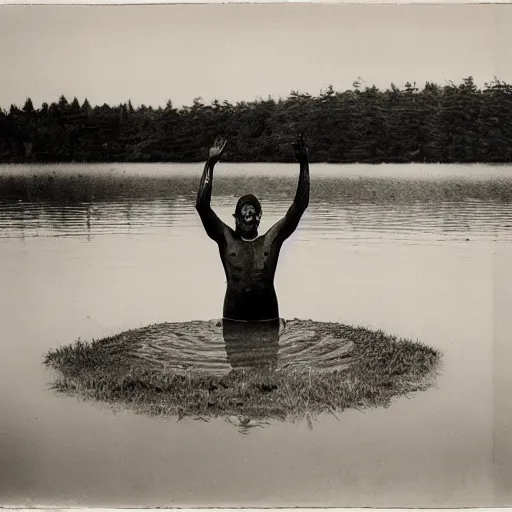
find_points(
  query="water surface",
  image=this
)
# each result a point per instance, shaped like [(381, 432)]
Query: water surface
[(421, 252)]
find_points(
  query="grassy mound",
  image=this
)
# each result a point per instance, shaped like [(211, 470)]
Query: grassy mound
[(381, 367)]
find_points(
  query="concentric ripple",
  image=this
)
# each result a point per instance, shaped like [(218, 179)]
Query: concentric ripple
[(201, 346), (295, 369)]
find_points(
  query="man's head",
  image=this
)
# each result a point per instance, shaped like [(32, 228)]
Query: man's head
[(247, 216)]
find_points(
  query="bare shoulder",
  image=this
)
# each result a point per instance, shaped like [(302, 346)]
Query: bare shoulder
[(228, 235), (273, 235)]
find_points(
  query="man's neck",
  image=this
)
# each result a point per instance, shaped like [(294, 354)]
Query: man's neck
[(249, 237)]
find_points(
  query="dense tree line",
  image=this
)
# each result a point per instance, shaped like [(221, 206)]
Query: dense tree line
[(450, 123)]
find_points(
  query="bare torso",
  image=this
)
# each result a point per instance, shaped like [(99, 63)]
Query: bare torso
[(250, 267)]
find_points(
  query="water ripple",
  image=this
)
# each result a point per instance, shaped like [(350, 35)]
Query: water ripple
[(477, 220), (202, 345)]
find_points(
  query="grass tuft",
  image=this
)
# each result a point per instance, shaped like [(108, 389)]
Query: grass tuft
[(382, 367)]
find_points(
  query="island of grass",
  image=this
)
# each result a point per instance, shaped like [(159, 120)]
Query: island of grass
[(180, 370)]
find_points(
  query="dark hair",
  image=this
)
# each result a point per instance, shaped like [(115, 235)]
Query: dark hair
[(248, 199)]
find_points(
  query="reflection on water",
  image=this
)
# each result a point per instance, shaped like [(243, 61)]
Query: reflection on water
[(327, 218), (413, 203), (251, 344), (217, 346)]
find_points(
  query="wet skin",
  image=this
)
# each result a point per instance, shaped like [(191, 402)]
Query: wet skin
[(249, 260), (250, 268)]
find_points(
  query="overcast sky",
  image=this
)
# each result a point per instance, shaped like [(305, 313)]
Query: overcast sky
[(150, 54)]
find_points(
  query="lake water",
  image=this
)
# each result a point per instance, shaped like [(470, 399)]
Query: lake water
[(422, 252)]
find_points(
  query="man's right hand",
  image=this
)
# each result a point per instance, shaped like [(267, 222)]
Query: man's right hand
[(217, 149), (299, 149)]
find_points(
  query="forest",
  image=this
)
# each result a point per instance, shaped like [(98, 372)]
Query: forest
[(435, 123)]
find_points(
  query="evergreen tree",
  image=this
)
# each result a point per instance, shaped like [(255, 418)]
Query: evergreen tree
[(452, 123), (28, 108)]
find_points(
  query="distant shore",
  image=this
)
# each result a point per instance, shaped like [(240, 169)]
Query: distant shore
[(439, 124), (86, 186), (398, 161)]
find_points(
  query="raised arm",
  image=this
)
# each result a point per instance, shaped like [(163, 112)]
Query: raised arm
[(287, 225), (213, 226)]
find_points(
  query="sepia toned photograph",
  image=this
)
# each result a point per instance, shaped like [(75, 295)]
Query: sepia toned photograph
[(255, 256)]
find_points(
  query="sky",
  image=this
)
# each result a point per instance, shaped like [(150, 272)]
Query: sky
[(153, 53)]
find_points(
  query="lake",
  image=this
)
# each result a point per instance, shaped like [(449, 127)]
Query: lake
[(419, 251)]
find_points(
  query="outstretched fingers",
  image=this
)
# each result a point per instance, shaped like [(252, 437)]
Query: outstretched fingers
[(298, 144), (219, 143), (299, 148), (299, 140), (217, 148)]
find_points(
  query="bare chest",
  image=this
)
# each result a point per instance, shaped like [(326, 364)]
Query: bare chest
[(242, 256)]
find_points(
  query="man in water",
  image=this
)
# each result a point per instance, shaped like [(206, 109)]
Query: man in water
[(250, 260)]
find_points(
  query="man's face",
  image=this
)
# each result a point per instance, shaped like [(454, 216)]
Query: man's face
[(248, 219)]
